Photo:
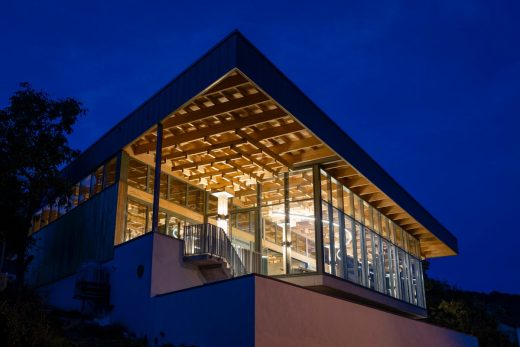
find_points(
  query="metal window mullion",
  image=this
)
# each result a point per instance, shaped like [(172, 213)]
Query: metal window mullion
[(318, 233), (157, 178), (287, 228)]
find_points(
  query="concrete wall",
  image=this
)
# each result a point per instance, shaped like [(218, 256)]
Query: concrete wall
[(217, 314), (169, 272), (287, 315), (129, 293)]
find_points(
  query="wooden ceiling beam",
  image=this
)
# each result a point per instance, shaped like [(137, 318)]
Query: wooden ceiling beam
[(295, 145), (209, 161), (232, 105), (346, 171), (319, 156), (177, 154), (227, 83), (262, 147), (277, 131), (237, 123)]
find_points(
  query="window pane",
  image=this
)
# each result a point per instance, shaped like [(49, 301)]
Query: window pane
[(358, 209), (136, 220), (300, 185), (399, 236), (110, 172), (84, 189), (273, 191), (246, 198), (177, 192), (376, 220), (176, 226), (337, 199), (384, 227), (367, 213), (73, 197), (53, 214), (195, 199), (349, 246), (137, 173), (273, 263), (359, 255), (369, 259), (328, 259), (325, 188), (301, 222), (97, 180), (273, 218), (347, 201), (45, 216), (36, 221)]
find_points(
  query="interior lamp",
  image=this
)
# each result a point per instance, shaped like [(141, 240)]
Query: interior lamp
[(222, 209)]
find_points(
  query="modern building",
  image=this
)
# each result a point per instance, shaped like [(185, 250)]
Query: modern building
[(227, 210)]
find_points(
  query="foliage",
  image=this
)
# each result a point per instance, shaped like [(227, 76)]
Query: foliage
[(24, 322), (467, 312), (33, 147)]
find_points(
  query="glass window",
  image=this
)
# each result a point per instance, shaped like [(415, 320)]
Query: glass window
[(73, 197), (36, 221), (136, 221), (161, 221), (369, 260), (195, 199), (273, 263), (359, 254), (176, 226), (384, 227), (273, 218), (178, 191), (350, 259), (300, 185), (328, 258), (53, 214), (337, 199), (376, 220), (399, 236), (273, 191), (244, 221), (110, 172), (151, 179), (301, 223), (45, 216), (347, 201), (97, 181), (242, 199), (137, 174), (367, 213), (325, 187), (358, 209), (84, 189), (163, 191)]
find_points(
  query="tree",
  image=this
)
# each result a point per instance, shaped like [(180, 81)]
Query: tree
[(34, 146), (467, 312)]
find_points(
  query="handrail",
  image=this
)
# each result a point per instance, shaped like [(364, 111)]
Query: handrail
[(200, 239)]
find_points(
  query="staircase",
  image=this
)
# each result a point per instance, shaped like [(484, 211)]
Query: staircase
[(208, 247)]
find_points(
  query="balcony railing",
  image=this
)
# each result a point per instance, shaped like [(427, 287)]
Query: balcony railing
[(210, 240)]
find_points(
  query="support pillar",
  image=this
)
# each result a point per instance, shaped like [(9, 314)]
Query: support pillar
[(157, 178)]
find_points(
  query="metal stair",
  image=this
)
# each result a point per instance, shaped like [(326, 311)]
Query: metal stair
[(209, 247)]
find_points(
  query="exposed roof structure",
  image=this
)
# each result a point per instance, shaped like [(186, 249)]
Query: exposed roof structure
[(232, 118)]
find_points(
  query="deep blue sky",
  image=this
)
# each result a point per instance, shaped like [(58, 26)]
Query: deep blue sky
[(430, 90)]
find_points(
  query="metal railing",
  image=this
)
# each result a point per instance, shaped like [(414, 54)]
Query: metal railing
[(209, 239)]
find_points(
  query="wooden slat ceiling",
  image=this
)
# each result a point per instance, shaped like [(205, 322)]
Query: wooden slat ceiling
[(234, 135)]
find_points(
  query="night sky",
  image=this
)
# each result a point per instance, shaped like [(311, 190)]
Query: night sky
[(431, 91)]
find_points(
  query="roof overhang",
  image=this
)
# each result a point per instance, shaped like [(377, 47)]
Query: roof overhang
[(268, 102)]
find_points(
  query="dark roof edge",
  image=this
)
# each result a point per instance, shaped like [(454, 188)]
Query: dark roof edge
[(236, 51), (269, 77), (220, 59)]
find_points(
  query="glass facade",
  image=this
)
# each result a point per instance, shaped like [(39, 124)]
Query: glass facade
[(365, 247), (103, 177)]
